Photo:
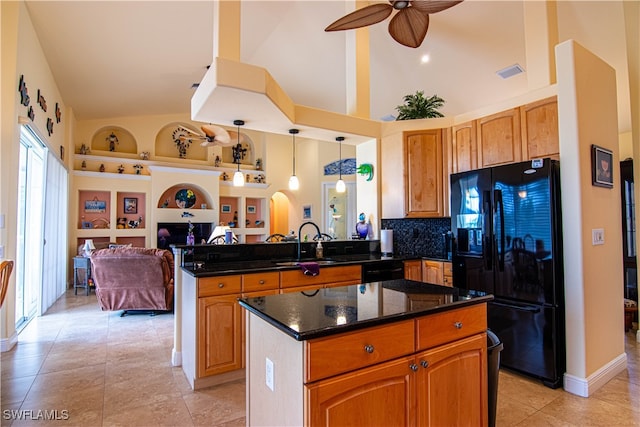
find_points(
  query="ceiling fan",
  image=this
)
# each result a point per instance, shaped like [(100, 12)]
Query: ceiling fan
[(408, 27), (213, 135)]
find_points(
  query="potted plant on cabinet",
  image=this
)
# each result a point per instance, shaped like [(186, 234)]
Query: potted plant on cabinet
[(417, 106)]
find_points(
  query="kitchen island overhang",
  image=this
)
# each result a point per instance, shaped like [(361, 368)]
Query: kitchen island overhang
[(315, 356)]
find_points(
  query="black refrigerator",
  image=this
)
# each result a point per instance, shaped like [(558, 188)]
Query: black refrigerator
[(507, 228)]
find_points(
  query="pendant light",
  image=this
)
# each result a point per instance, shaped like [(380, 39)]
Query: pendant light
[(238, 177), (294, 184), (340, 186)]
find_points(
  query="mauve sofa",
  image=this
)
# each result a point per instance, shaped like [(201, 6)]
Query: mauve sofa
[(130, 278)]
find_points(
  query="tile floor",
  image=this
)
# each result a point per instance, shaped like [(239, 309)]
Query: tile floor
[(100, 369)]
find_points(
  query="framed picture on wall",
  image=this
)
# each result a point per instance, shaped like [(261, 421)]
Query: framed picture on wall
[(95, 206), (601, 167), (130, 205), (306, 212), (225, 208), (251, 209)]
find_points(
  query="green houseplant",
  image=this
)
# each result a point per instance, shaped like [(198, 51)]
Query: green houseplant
[(416, 106)]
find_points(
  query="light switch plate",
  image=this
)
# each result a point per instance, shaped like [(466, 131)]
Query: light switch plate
[(597, 236), (269, 373)]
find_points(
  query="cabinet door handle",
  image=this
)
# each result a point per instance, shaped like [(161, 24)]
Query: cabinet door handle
[(261, 282), (424, 363), (221, 285), (413, 367), (458, 325), (368, 348)]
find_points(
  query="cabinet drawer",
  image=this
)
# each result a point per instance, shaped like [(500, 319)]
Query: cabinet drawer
[(353, 350), (291, 278), (450, 325), (260, 281), (219, 285)]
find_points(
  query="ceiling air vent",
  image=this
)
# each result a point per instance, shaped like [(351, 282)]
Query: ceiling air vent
[(510, 71)]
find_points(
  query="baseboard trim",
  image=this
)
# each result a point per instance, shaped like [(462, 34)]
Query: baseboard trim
[(7, 344), (176, 358), (586, 386)]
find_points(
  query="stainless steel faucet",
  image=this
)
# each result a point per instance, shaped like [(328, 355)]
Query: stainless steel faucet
[(300, 234)]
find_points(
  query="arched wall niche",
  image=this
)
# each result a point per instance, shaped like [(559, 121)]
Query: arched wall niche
[(114, 138), (185, 196), (168, 144)]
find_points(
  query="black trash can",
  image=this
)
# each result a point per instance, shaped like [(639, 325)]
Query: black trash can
[(494, 347)]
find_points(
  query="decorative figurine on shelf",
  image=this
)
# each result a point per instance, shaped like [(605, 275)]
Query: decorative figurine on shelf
[(101, 167), (138, 167), (260, 179), (248, 176), (144, 155), (122, 223), (216, 161), (120, 169), (224, 176), (190, 237), (258, 164), (165, 203), (112, 139), (84, 149), (362, 228), (83, 165)]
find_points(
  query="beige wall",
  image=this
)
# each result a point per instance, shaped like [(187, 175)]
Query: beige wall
[(22, 55), (593, 274)]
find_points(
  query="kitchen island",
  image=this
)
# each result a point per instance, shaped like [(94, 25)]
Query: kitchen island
[(387, 353)]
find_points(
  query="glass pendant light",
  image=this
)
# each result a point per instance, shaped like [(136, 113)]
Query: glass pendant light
[(238, 177), (294, 184), (340, 186)]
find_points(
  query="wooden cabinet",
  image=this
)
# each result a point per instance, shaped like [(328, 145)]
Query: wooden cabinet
[(432, 272), (423, 175), (464, 148), (539, 125), (413, 270), (382, 395), (295, 280), (451, 384), (220, 332), (447, 274), (499, 138), (443, 383)]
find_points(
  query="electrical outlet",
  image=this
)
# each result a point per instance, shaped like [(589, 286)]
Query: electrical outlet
[(269, 374), (597, 236)]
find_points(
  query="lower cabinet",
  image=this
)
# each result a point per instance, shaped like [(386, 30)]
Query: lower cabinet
[(220, 333), (444, 386), (451, 384), (381, 395), (413, 270)]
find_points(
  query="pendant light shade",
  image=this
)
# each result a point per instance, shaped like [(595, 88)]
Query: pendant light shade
[(340, 185), (238, 177), (294, 184)]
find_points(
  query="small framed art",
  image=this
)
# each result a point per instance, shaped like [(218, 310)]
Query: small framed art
[(130, 205), (601, 167)]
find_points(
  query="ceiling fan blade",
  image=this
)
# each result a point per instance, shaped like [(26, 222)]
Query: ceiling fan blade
[(368, 15), (215, 135), (188, 130), (409, 27), (433, 6)]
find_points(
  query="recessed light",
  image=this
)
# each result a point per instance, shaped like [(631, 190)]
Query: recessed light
[(425, 58)]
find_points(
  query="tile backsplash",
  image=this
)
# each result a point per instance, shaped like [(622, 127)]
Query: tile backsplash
[(422, 237)]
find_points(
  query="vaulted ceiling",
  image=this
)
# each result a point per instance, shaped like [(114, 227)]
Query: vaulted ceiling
[(122, 58)]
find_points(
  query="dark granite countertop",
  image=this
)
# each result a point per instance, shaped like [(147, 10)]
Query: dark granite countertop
[(327, 311), (255, 266)]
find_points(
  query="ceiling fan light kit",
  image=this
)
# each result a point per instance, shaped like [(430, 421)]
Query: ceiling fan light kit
[(409, 25)]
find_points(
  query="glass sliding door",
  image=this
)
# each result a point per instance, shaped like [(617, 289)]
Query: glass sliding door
[(30, 227)]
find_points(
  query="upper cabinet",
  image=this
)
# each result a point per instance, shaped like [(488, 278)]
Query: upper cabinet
[(539, 124), (499, 138), (464, 147), (423, 159)]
